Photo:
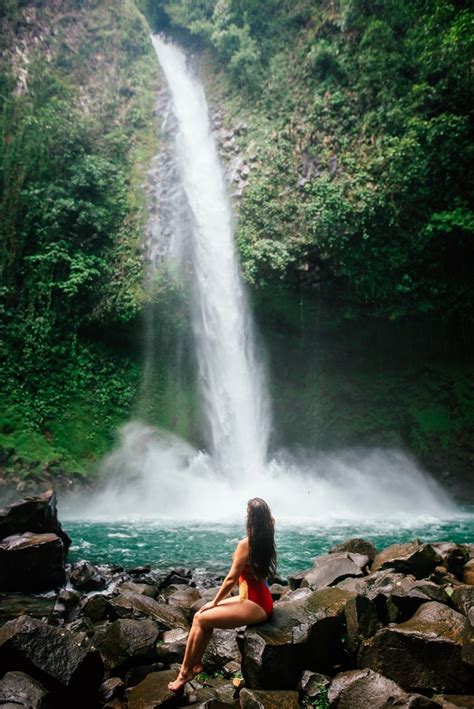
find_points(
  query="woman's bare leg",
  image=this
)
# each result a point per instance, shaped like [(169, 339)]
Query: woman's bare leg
[(230, 613)]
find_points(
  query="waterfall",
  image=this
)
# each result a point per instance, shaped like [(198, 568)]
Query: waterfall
[(153, 473), (230, 374)]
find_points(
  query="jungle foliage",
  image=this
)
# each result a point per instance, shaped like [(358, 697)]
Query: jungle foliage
[(359, 112)]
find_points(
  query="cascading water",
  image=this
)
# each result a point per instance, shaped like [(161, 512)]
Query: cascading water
[(154, 473)]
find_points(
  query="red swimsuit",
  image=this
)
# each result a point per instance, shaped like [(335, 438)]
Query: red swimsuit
[(255, 590)]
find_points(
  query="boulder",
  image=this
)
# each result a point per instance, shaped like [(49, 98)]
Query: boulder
[(468, 572), (451, 701), (66, 607), (31, 562), (222, 648), (65, 662), (37, 513), (453, 557), (264, 699), (85, 577), (409, 558), (153, 692), (313, 685), (278, 590), (21, 690), (98, 608), (377, 587), (467, 653), (127, 642), (356, 545), (294, 580), (184, 597), (360, 689), (361, 621), (408, 594), (422, 653), (332, 568), (167, 617), (112, 688), (462, 598), (145, 589), (303, 634), (14, 604)]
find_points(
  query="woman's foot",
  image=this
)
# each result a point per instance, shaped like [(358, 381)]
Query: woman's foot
[(183, 678)]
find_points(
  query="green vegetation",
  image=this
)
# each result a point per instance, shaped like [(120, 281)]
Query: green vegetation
[(76, 117)]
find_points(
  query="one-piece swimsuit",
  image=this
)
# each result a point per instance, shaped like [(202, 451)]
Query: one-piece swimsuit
[(255, 590)]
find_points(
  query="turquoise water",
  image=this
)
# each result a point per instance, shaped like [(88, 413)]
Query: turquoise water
[(209, 546)]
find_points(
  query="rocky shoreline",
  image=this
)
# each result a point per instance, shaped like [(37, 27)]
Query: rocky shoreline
[(363, 628)]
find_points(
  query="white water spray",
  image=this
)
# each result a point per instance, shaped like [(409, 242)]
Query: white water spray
[(155, 474)]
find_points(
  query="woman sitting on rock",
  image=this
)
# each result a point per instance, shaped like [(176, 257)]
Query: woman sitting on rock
[(254, 559)]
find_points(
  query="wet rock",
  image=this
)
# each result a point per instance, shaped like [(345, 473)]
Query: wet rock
[(64, 662), (66, 607), (462, 598), (451, 701), (178, 576), (135, 675), (378, 588), (356, 545), (332, 568), (231, 668), (184, 597), (294, 580), (277, 591), (153, 692), (313, 684), (98, 608), (410, 558), (113, 688), (172, 649), (81, 625), (222, 648), (143, 589), (127, 642), (31, 562), (14, 604), (37, 513), (18, 689), (468, 572), (261, 699), (467, 653), (85, 577), (361, 621), (453, 557), (303, 634), (423, 652), (408, 594), (360, 689), (295, 595), (166, 616)]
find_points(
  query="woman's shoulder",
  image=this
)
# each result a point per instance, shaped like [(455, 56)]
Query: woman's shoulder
[(243, 544)]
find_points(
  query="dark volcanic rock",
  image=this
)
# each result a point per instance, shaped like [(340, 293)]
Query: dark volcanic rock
[(304, 634), (173, 647), (356, 545), (31, 562), (361, 621), (361, 689), (312, 684), (408, 594), (422, 653), (85, 577), (468, 647), (453, 557), (468, 573), (167, 617), (222, 648), (62, 661), (153, 692), (378, 588), (264, 699), (113, 688), (66, 607), (410, 558), (332, 568), (127, 642), (14, 604), (462, 598), (21, 690), (37, 513)]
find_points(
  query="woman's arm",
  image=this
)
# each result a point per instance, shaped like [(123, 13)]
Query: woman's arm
[(239, 559)]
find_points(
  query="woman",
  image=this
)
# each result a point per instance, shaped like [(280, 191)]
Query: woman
[(253, 561)]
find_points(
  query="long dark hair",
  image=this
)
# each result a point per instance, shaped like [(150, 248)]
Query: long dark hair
[(261, 535)]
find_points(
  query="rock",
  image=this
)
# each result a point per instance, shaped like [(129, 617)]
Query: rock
[(184, 598), (222, 648), (37, 513), (451, 701), (462, 598), (408, 594), (153, 692), (144, 589), (166, 616), (410, 558), (313, 684), (31, 562), (361, 689), (231, 668), (65, 662), (66, 607), (85, 577), (135, 675), (98, 608), (294, 580), (113, 688), (423, 652), (332, 568), (21, 690), (467, 653), (468, 572), (453, 557), (261, 699), (277, 591), (377, 587), (356, 545), (296, 595), (361, 621), (127, 642), (303, 634), (14, 604)]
